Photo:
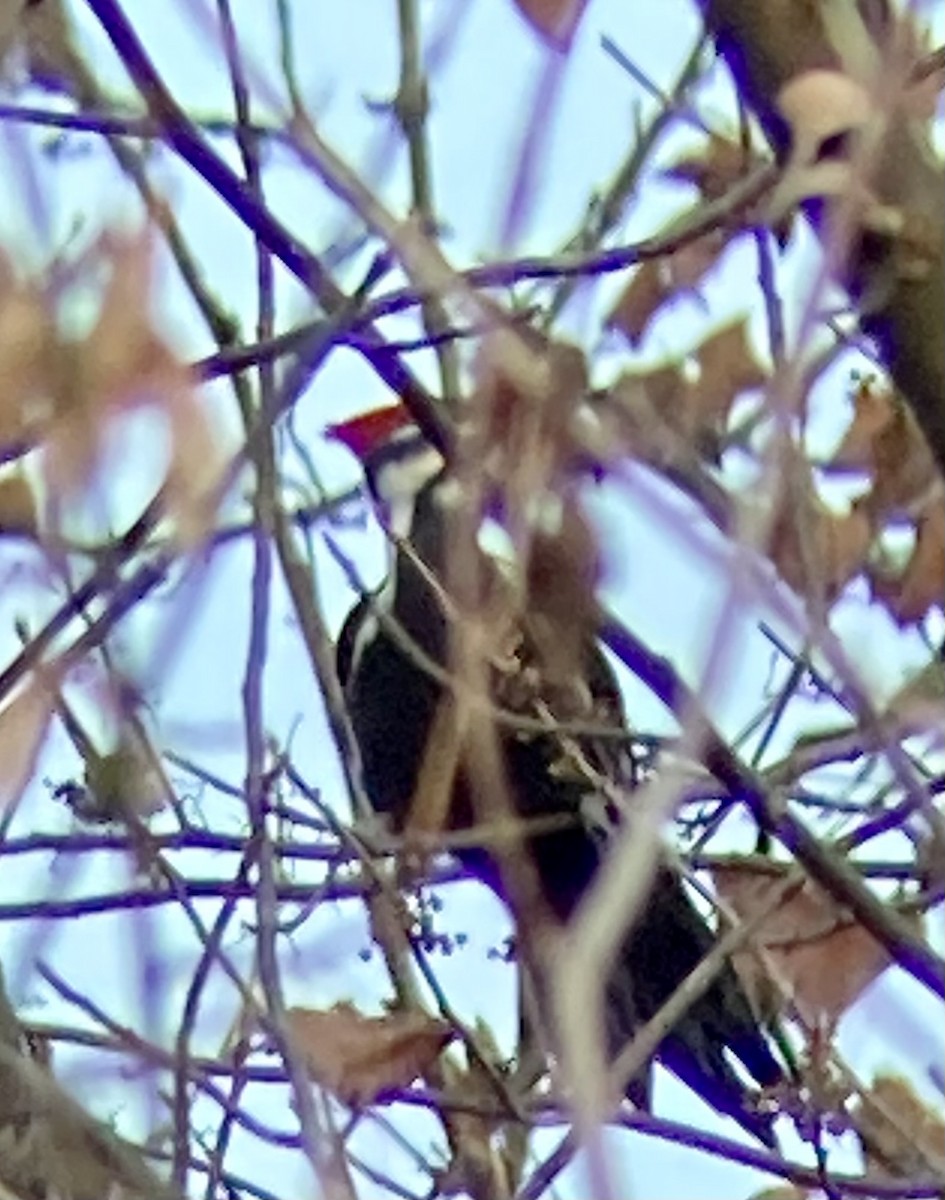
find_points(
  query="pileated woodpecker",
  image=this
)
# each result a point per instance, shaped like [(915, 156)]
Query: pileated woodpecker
[(384, 654)]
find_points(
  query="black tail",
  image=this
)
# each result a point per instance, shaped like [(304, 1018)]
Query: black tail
[(668, 941)]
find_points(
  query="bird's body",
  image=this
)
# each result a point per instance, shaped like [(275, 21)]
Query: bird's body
[(393, 701)]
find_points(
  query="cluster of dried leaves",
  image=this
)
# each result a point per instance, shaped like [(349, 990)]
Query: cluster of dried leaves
[(884, 442), (60, 398), (714, 170), (64, 395), (815, 549), (808, 953)]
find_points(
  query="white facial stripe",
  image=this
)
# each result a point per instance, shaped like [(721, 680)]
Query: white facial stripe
[(397, 483)]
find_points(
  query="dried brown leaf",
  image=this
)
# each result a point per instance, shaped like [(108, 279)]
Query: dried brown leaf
[(196, 467), (663, 390), (816, 548), (27, 345), (18, 512), (524, 430), (686, 267), (825, 959), (904, 468), (666, 388), (124, 363), (883, 437), (902, 1135), (874, 410), (727, 367), (716, 167), (556, 21), (50, 49), (726, 359), (661, 280), (909, 596), (71, 447), (360, 1058), (124, 360), (640, 301), (23, 726), (641, 402), (528, 389)]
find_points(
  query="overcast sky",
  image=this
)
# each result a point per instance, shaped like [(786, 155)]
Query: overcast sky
[(667, 571)]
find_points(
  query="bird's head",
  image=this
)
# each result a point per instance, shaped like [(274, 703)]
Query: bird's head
[(398, 463)]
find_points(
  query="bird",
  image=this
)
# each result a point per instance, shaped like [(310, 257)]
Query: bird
[(384, 654)]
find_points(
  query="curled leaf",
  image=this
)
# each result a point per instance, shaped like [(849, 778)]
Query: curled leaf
[(661, 280), (823, 957), (727, 367), (910, 596), (884, 439), (360, 1058), (816, 549)]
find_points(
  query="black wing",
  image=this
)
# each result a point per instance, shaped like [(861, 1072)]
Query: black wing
[(392, 701)]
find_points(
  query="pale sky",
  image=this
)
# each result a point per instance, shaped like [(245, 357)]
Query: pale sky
[(666, 568)]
